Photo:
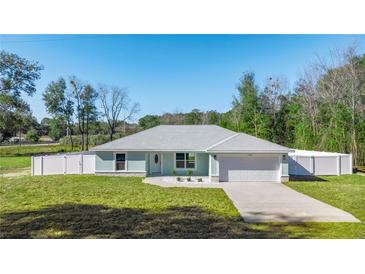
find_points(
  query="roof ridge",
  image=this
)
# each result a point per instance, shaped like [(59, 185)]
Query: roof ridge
[(222, 141)]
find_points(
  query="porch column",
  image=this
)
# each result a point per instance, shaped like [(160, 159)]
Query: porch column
[(213, 168)]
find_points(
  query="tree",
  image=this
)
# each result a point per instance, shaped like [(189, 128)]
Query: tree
[(44, 126), (273, 97), (88, 97), (56, 128), (195, 117), (32, 135), (115, 103), (331, 97), (149, 121), (77, 88), (248, 112), (59, 104), (17, 77)]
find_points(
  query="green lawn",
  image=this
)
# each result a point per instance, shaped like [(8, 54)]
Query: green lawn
[(76, 206), (17, 158), (13, 163), (31, 150), (346, 192)]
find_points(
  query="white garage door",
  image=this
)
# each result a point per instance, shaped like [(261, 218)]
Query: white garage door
[(249, 168)]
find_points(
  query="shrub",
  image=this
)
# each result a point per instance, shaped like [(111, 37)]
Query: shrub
[(200, 180), (189, 179), (174, 172), (178, 179), (190, 173), (32, 135)]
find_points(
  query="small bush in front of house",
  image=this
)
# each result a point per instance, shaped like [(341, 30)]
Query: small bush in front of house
[(200, 180), (189, 173), (174, 172), (178, 179)]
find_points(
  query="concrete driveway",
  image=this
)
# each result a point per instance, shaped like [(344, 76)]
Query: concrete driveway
[(274, 202)]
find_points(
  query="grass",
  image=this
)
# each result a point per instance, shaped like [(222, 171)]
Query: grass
[(32, 150), (346, 192), (12, 164), (17, 158), (83, 206)]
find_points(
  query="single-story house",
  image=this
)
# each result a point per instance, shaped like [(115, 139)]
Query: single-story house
[(205, 150)]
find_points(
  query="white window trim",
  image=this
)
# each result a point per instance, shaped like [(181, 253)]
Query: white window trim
[(115, 162), (183, 168)]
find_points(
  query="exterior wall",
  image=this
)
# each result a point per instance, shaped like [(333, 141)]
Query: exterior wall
[(168, 165), (136, 161), (104, 161)]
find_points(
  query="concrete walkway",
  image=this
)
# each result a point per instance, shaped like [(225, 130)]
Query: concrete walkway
[(260, 202)]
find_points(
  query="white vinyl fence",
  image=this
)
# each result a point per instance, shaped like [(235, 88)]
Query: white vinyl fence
[(63, 164), (319, 163)]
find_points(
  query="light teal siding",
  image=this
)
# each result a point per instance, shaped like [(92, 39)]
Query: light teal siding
[(104, 161), (168, 164), (285, 166), (136, 161)]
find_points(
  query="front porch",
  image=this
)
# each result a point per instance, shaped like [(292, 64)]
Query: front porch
[(178, 164)]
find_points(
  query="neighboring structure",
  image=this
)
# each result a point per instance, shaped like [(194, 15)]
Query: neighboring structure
[(305, 162), (204, 150)]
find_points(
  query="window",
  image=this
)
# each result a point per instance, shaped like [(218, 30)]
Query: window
[(120, 161), (185, 160), (156, 159)]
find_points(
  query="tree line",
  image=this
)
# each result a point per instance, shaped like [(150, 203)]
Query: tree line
[(71, 103), (324, 110)]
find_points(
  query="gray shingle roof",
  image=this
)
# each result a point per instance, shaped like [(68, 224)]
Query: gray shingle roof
[(209, 138), (170, 137), (242, 142)]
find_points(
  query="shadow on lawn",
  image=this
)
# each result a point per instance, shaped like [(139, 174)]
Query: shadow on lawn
[(306, 178), (96, 221)]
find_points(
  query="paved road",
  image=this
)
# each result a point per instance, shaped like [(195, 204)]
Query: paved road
[(274, 202)]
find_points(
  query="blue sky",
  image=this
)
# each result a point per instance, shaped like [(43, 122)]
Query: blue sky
[(165, 73)]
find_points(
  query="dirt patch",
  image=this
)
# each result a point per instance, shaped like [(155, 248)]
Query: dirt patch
[(15, 173)]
